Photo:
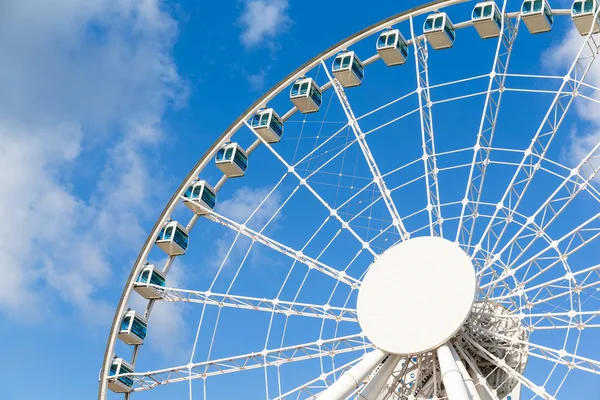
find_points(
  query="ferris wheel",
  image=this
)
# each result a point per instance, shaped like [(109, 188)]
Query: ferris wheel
[(414, 231)]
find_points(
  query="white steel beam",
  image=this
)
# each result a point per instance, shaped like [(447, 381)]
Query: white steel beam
[(304, 183), (451, 375), (354, 377), (386, 194), (285, 250), (277, 306), (376, 384), (487, 128), (427, 138), (469, 383), (260, 359), (500, 363)]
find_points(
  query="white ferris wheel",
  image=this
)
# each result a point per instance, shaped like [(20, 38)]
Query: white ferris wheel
[(414, 231)]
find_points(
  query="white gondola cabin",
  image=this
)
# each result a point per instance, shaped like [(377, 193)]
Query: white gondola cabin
[(439, 31), (121, 384), (149, 275), (200, 197), (348, 69), (306, 95), (173, 239), (537, 16), (392, 47), (583, 12), (487, 19), (232, 160), (268, 125), (133, 328)]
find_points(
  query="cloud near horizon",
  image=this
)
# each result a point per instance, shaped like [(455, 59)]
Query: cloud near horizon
[(85, 86)]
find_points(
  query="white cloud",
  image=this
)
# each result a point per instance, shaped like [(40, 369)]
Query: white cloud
[(257, 80), (586, 134), (262, 21), (79, 78)]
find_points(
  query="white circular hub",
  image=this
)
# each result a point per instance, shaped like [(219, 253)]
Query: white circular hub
[(416, 295)]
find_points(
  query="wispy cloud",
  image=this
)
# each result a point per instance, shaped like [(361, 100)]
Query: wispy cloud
[(262, 21), (586, 134), (79, 77), (257, 80)]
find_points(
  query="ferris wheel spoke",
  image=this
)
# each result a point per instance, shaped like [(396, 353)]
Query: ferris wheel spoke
[(487, 128), (352, 379), (554, 205), (581, 280), (572, 361), (277, 306), (481, 380), (427, 136), (575, 319), (304, 183), (246, 362), (366, 151), (546, 132), (311, 387), (500, 363), (285, 250), (573, 241)]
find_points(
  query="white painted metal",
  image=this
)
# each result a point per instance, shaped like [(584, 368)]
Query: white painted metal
[(295, 254), (246, 362), (427, 136), (354, 377), (487, 129), (360, 137), (574, 240), (451, 375), (469, 382), (542, 139), (332, 212), (398, 276), (374, 387), (323, 311), (221, 141)]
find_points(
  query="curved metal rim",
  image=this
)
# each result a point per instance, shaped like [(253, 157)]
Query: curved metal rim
[(202, 162)]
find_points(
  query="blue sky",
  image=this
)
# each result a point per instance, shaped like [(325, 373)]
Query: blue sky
[(106, 106)]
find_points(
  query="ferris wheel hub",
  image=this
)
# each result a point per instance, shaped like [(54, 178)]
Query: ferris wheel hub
[(416, 295)]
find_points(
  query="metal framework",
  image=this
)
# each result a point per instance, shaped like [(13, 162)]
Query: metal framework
[(533, 265)]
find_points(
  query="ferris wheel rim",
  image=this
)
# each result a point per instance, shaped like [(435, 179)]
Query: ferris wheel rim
[(199, 166), (277, 88)]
